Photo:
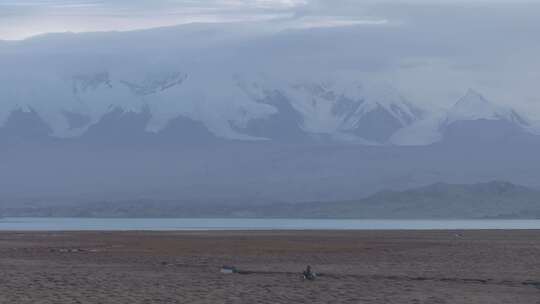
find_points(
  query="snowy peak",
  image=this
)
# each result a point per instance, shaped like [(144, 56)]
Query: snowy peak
[(472, 117), (388, 98), (474, 120), (338, 109), (349, 108), (474, 106)]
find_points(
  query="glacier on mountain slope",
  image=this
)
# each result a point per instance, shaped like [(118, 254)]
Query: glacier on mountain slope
[(325, 107), (70, 98), (421, 133), (471, 107), (95, 95), (338, 108), (333, 109), (474, 106), (74, 81)]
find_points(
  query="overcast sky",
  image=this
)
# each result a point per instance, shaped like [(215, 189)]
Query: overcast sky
[(432, 49), (23, 18)]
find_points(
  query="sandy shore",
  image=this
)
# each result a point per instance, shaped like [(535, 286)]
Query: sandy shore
[(356, 267)]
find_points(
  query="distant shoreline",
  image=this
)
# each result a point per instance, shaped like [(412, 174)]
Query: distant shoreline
[(261, 224)]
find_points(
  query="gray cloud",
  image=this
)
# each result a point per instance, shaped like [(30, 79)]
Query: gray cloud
[(21, 19), (432, 50)]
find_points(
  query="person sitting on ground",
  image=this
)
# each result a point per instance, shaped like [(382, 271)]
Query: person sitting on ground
[(308, 274)]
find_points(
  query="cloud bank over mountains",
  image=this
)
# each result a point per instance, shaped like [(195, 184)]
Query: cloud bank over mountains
[(419, 47), (27, 18), (289, 100), (390, 83)]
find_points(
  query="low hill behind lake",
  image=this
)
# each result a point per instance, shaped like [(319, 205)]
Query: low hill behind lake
[(495, 199)]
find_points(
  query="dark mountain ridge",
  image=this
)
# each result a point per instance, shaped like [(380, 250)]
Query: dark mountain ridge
[(496, 199)]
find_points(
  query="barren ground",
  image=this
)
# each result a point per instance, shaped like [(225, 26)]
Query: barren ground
[(356, 267)]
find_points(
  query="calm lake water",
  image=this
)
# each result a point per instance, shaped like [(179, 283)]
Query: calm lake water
[(97, 224)]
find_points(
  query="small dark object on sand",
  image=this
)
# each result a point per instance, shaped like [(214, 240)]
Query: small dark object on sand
[(308, 274), (228, 269)]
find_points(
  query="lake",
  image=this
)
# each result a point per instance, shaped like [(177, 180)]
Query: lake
[(108, 224)]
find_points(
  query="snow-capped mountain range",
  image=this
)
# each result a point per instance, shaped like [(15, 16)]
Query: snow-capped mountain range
[(100, 87), (212, 111), (239, 108)]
